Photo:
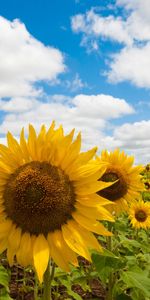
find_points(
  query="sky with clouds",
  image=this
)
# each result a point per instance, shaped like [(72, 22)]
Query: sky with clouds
[(84, 63)]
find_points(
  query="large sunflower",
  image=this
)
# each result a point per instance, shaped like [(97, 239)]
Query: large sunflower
[(48, 200), (128, 179), (139, 214)]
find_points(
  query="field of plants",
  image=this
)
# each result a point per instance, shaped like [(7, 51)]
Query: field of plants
[(121, 271), (118, 268)]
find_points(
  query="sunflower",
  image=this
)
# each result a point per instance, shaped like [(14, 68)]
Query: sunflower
[(126, 178), (48, 202), (139, 214)]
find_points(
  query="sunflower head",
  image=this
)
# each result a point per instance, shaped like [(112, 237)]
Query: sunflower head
[(139, 214), (126, 178), (48, 201)]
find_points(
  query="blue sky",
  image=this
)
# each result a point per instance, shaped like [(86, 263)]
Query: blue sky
[(84, 63)]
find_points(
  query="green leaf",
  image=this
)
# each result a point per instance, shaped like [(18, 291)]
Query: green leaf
[(137, 280), (4, 278), (106, 259), (105, 263), (74, 295), (69, 290), (4, 295), (123, 297)]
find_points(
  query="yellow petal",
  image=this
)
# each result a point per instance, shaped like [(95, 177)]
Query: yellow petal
[(92, 187), (72, 153), (128, 162), (7, 157), (32, 142), (42, 135), (87, 180), (50, 132), (87, 172), (79, 239), (13, 243), (24, 147), (14, 147), (75, 241), (97, 213), (40, 143), (93, 200), (60, 251), (5, 168), (82, 159), (91, 225), (63, 147), (24, 249), (87, 238), (5, 226), (3, 245), (40, 255)]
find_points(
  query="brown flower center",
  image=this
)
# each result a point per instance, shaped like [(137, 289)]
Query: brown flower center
[(141, 216), (116, 190), (39, 197)]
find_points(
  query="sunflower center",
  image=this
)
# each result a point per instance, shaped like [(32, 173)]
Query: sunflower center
[(116, 190), (140, 216), (39, 197)]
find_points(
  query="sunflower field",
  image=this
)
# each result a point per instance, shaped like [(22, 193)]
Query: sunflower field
[(73, 224)]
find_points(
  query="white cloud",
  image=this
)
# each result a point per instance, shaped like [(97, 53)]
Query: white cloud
[(134, 138), (105, 27), (76, 84), (24, 61), (93, 115), (101, 106), (18, 105), (131, 64), (88, 113), (131, 30), (134, 133)]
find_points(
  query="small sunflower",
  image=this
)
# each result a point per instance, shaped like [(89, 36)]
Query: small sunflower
[(139, 214), (127, 179), (48, 202)]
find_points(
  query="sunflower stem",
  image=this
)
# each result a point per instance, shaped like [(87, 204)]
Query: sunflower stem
[(48, 277), (111, 276), (36, 288)]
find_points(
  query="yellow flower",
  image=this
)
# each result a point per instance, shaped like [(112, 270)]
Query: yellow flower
[(139, 214), (127, 179), (48, 201)]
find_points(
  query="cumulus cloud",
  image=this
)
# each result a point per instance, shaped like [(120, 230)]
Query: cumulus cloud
[(89, 113), (25, 61), (102, 106), (18, 105), (133, 138), (134, 134), (131, 64), (131, 30), (106, 27), (93, 115), (76, 84)]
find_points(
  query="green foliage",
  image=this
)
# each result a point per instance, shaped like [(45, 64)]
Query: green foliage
[(146, 180), (137, 280), (78, 277), (125, 268), (4, 282), (105, 263), (122, 269)]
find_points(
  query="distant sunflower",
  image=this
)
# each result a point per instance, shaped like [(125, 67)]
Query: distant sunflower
[(128, 179), (139, 214), (48, 200)]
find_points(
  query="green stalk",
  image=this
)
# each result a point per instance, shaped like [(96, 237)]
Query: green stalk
[(36, 288), (111, 276), (48, 277)]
